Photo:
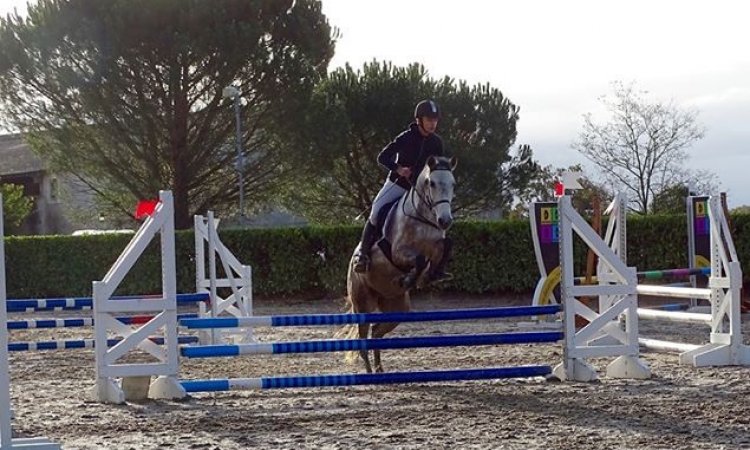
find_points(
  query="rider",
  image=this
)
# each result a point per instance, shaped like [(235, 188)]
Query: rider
[(405, 158)]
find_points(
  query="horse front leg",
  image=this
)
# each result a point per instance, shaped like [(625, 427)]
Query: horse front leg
[(437, 272), (409, 280), (364, 331)]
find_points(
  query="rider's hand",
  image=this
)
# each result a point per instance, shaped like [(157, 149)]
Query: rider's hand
[(404, 171)]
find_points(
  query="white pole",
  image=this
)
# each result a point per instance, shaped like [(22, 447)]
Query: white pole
[(672, 291), (212, 274), (667, 346), (5, 430), (674, 316)]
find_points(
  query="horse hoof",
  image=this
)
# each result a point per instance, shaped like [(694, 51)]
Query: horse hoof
[(440, 278), (406, 283)]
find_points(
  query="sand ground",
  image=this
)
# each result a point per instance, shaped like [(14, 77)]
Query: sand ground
[(681, 407)]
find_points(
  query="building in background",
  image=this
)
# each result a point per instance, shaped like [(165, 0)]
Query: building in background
[(61, 203)]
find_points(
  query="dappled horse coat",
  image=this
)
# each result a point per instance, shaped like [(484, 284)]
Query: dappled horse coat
[(415, 228)]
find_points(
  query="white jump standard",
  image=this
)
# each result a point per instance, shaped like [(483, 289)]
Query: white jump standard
[(237, 277), (108, 365), (134, 334), (617, 297), (725, 346)]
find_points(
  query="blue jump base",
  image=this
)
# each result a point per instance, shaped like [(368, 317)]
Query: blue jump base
[(362, 318), (229, 384)]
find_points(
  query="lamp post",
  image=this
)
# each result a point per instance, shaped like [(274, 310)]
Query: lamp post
[(234, 93)]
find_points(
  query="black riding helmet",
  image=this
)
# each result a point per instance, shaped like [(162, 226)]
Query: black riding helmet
[(427, 108)]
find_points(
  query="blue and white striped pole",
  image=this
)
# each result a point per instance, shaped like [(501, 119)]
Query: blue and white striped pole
[(79, 322), (235, 384), (343, 345), (83, 343), (84, 303), (361, 318)]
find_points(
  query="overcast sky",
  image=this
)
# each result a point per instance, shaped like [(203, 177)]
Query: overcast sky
[(555, 58)]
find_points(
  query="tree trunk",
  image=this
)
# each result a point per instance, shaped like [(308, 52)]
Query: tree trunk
[(181, 177)]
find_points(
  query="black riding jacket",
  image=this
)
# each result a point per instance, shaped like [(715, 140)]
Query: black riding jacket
[(409, 149)]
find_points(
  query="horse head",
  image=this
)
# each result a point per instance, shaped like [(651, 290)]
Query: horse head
[(435, 186)]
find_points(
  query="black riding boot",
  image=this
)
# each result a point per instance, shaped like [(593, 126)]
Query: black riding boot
[(439, 274), (362, 258)]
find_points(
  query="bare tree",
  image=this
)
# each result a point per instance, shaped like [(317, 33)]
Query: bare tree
[(642, 149)]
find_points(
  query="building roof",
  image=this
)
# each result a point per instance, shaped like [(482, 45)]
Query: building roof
[(16, 157)]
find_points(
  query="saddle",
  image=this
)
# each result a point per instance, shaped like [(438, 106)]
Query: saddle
[(382, 226)]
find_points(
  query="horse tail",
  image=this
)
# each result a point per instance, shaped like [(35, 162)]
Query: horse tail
[(349, 332)]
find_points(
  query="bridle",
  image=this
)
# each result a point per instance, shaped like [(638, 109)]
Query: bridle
[(426, 200)]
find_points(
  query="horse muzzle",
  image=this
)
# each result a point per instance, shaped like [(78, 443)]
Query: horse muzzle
[(443, 214), (445, 222)]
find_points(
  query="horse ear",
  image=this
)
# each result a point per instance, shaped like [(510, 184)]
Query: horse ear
[(454, 162), (431, 162)]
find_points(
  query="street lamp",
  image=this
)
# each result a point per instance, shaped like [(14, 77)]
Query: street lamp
[(234, 93)]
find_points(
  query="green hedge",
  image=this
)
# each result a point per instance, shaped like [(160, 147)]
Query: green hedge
[(490, 257)]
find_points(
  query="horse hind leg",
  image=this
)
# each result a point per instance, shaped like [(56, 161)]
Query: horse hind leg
[(362, 300), (354, 332), (364, 331), (379, 330)]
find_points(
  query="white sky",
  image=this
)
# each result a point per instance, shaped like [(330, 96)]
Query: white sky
[(555, 58)]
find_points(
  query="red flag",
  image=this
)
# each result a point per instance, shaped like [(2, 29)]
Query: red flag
[(145, 208), (559, 189)]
